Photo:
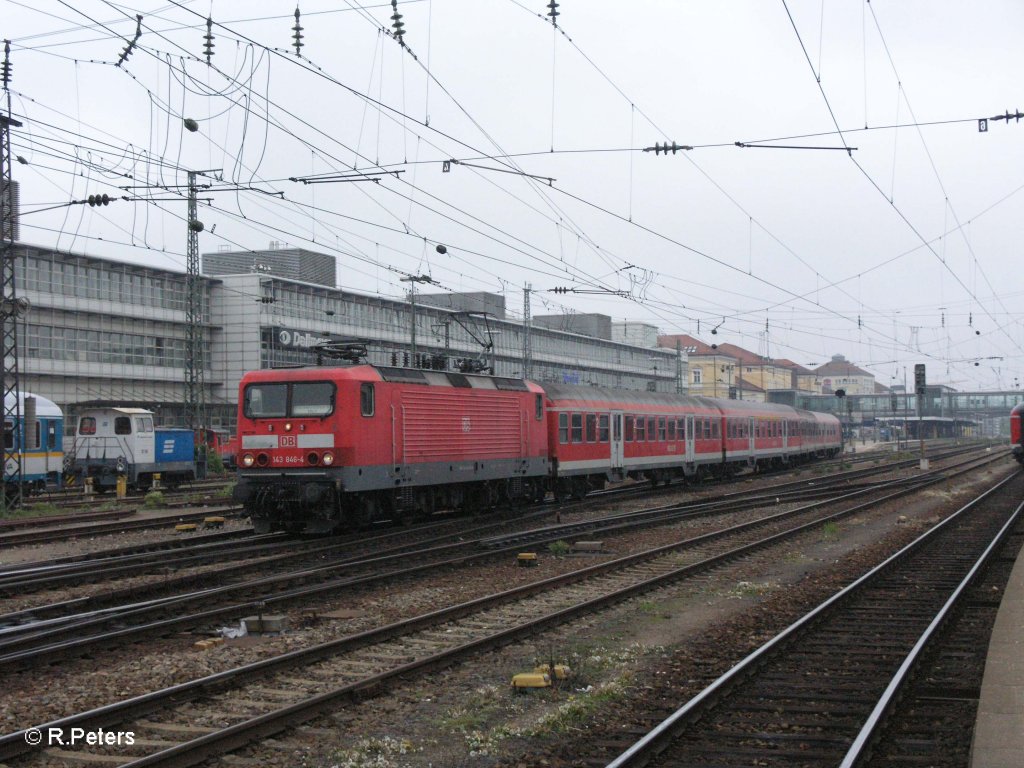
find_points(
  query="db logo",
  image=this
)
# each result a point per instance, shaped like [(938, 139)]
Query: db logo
[(288, 441), (466, 426)]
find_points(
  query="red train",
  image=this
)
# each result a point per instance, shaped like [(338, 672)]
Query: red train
[(323, 448), (1017, 432)]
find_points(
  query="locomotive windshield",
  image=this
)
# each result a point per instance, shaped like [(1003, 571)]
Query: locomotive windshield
[(278, 401)]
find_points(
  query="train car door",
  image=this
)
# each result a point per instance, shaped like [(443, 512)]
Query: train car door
[(753, 435), (689, 438), (785, 434), (616, 441)]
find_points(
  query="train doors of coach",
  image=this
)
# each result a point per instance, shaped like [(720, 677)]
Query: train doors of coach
[(689, 438), (616, 442), (753, 435)]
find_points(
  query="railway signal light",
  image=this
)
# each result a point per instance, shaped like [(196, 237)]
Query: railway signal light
[(919, 379)]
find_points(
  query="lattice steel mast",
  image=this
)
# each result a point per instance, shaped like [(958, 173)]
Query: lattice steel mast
[(195, 358), (10, 308)]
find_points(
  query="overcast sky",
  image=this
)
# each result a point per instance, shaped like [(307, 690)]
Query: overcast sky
[(867, 215)]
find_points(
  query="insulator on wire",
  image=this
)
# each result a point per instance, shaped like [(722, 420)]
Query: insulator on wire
[(5, 69), (553, 12), (208, 46), (95, 200), (131, 45), (396, 23), (297, 30)]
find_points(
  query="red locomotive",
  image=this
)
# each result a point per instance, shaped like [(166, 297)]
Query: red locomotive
[(1017, 432), (322, 448)]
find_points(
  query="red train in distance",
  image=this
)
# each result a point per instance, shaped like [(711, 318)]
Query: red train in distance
[(330, 447), (1017, 432)]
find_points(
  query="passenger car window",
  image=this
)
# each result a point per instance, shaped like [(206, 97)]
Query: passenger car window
[(563, 428), (577, 427)]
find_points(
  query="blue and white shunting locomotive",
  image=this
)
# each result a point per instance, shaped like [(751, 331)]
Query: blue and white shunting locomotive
[(110, 442), (37, 441)]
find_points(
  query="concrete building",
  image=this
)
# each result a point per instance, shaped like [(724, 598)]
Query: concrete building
[(839, 373), (293, 263), (712, 373), (100, 331), (595, 325), (636, 333), (492, 304)]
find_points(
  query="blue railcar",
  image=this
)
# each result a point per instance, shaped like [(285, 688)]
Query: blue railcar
[(37, 441), (124, 441)]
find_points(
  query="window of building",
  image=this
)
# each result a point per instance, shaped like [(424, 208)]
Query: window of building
[(696, 375), (122, 425)]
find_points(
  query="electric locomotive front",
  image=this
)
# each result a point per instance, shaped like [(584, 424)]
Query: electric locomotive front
[(326, 448), (289, 427), (1017, 432)]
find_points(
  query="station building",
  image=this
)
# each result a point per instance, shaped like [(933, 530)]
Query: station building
[(105, 332)]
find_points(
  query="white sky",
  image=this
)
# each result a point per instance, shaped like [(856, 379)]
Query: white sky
[(903, 250)]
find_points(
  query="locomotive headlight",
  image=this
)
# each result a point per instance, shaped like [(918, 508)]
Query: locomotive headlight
[(328, 458), (288, 427), (248, 460)]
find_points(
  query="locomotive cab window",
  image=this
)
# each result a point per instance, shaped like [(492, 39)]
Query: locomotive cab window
[(87, 426), (266, 401), (538, 406), (312, 398), (122, 425), (366, 399)]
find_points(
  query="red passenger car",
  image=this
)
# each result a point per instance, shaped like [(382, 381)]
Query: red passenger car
[(324, 447), (598, 434)]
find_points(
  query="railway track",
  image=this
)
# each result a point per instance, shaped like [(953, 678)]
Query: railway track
[(122, 561), (189, 723), (38, 635), (824, 691), (21, 538)]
